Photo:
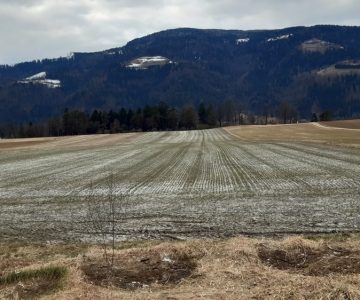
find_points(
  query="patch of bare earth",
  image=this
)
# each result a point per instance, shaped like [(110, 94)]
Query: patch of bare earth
[(141, 268), (311, 260)]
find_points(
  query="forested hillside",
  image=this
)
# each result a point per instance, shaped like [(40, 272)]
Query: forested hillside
[(307, 69)]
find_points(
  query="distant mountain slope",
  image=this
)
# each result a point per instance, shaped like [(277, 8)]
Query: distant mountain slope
[(257, 69)]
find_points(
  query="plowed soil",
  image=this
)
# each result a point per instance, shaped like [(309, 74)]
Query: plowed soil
[(212, 183)]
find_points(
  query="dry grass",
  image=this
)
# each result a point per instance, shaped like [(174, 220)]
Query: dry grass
[(32, 283), (308, 133), (65, 142), (17, 256), (239, 268), (350, 124), (296, 132)]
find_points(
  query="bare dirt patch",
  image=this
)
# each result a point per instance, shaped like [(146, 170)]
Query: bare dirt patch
[(301, 258), (139, 269)]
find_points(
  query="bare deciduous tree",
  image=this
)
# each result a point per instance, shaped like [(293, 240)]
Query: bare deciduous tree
[(102, 216)]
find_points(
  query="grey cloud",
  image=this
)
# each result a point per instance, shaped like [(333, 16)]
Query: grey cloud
[(34, 29)]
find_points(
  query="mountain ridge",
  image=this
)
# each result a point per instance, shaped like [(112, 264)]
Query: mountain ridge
[(210, 66)]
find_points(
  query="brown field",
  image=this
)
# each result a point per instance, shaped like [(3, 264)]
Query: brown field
[(309, 132), (349, 124), (84, 141), (239, 268), (301, 133)]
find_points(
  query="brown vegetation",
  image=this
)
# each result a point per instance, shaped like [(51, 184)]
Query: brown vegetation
[(68, 141), (32, 283), (311, 260), (349, 124), (308, 133), (324, 267)]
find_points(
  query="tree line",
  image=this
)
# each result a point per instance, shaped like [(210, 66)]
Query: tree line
[(160, 117)]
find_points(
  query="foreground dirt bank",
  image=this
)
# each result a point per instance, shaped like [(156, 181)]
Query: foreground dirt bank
[(297, 267)]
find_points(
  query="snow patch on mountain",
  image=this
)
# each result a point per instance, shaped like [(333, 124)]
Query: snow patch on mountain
[(148, 61), (242, 41), (40, 78), (278, 38)]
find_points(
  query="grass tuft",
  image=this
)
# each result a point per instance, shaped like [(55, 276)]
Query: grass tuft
[(52, 273)]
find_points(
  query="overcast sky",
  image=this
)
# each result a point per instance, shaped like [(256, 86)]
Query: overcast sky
[(35, 29)]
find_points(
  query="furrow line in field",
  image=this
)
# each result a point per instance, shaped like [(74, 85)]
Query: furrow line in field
[(226, 170), (330, 173), (164, 177), (216, 135), (145, 173), (256, 170), (73, 170), (31, 169), (247, 167), (233, 170), (206, 172), (195, 168), (266, 168), (350, 170), (223, 177), (286, 167), (348, 156), (174, 180), (149, 138), (206, 180)]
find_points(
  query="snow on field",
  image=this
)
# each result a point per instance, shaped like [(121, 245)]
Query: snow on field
[(148, 61), (40, 78), (242, 41), (189, 183), (41, 75), (281, 37)]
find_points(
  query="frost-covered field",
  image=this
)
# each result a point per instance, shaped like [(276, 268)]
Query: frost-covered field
[(182, 184)]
